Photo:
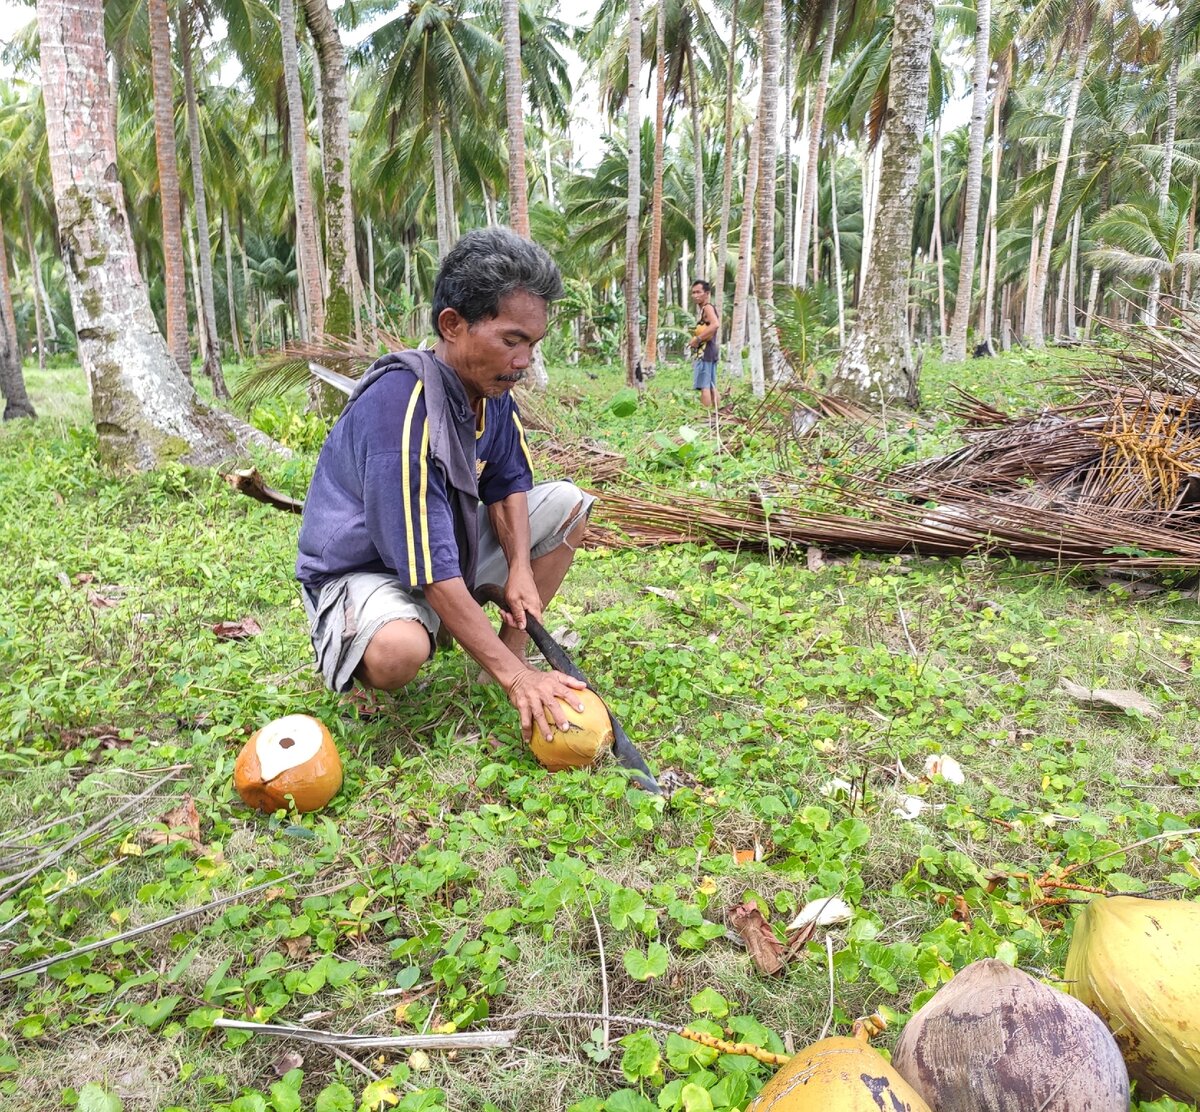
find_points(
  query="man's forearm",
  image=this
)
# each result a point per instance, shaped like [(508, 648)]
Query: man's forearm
[(466, 622), (510, 522)]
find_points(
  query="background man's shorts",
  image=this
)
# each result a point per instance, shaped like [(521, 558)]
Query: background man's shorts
[(350, 610), (704, 375)]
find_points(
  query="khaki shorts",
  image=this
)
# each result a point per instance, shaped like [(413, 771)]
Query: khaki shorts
[(350, 610)]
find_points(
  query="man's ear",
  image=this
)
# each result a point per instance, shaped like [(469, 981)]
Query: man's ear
[(451, 324)]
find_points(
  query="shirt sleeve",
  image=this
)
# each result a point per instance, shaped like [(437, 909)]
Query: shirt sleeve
[(509, 468), (408, 513)]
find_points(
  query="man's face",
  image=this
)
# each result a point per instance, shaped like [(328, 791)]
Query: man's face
[(492, 356), (699, 295)]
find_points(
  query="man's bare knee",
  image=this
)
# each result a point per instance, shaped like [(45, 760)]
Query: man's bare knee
[(395, 655)]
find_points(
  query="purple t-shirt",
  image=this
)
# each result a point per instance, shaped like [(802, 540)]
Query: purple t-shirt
[(378, 499)]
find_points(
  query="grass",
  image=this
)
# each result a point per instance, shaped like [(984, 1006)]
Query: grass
[(453, 872)]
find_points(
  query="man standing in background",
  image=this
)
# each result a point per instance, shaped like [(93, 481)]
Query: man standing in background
[(704, 343)]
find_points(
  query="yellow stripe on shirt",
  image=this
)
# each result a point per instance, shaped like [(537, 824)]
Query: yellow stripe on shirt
[(521, 436), (405, 443), (424, 513)]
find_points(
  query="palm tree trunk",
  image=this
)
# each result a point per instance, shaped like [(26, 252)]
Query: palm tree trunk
[(727, 168), (697, 164), (234, 336), (1185, 295), (814, 139), (35, 268), (145, 411), (313, 299), (174, 277), (989, 300), (656, 201), (207, 308), (633, 202), (1034, 252), (877, 362), (1037, 326), (935, 246), (787, 158), (956, 349), (342, 309), (796, 262), (12, 379), (1073, 275), (764, 270), (1164, 181), (440, 198), (741, 284), (372, 312), (518, 188), (872, 165), (837, 246)]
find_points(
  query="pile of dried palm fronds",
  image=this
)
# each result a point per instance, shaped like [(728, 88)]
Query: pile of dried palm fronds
[(582, 461), (1112, 479)]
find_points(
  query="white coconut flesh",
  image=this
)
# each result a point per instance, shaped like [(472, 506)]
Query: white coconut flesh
[(287, 743)]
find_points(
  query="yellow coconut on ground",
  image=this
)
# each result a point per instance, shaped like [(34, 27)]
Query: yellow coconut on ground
[(291, 757), (1136, 963), (586, 739), (838, 1075)]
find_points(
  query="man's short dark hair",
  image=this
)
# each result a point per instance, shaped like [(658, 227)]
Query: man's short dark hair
[(484, 267), (705, 286)]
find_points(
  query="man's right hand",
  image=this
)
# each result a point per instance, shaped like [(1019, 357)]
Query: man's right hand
[(539, 697)]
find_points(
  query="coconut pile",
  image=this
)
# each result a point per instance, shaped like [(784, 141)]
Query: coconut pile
[(995, 1039)]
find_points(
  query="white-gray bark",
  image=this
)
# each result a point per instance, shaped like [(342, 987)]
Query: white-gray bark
[(145, 411), (633, 200), (877, 363), (764, 269), (956, 347), (1037, 326), (816, 127), (1164, 180)]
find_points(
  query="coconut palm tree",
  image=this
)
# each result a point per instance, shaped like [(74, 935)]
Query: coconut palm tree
[(168, 183), (145, 410), (342, 306), (12, 380), (633, 345), (956, 347), (206, 310), (877, 361), (312, 300), (1143, 239), (764, 269)]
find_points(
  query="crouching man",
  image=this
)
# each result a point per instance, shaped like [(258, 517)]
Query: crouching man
[(424, 488)]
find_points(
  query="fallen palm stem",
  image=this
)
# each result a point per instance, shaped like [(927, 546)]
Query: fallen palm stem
[(481, 1040), (137, 932)]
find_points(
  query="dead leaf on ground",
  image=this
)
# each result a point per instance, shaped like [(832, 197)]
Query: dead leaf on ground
[(1113, 698), (287, 1062), (63, 579), (85, 577), (101, 602), (296, 948), (766, 951), (237, 631), (183, 825), (672, 779), (566, 637), (743, 856), (815, 558)]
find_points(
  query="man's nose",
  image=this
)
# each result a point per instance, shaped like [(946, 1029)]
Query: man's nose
[(522, 357)]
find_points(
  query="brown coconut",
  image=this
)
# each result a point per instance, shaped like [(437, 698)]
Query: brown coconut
[(995, 1038), (290, 758), (588, 736)]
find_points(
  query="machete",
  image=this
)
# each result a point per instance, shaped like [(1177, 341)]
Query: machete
[(556, 656)]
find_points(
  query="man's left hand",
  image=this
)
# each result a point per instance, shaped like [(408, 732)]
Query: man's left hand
[(521, 597)]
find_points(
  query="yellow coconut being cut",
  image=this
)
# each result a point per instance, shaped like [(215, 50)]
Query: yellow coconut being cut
[(838, 1075), (290, 757), (588, 736), (1136, 964)]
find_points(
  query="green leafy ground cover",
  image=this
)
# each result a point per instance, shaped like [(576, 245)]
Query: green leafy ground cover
[(455, 876)]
